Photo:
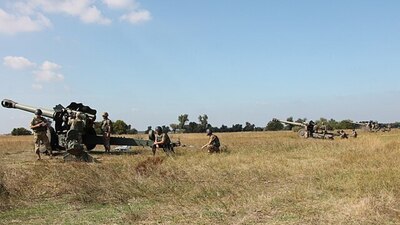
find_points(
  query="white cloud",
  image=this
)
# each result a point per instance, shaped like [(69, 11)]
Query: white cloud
[(11, 24), (17, 63), (48, 72), (93, 15), (30, 15), (70, 7), (136, 17), (121, 4), (84, 9)]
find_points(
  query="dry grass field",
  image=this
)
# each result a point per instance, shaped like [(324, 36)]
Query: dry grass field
[(262, 178)]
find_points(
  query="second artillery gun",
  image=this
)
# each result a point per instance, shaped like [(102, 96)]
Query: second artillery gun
[(65, 139), (309, 130), (374, 126)]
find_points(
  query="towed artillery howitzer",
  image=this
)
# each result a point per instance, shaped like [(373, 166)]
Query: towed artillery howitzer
[(63, 135), (309, 130), (374, 126)]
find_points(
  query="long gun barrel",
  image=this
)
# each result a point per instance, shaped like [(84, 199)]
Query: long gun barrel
[(14, 105), (62, 115), (293, 123)]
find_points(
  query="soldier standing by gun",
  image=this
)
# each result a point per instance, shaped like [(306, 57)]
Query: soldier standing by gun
[(310, 129), (39, 127), (106, 128), (213, 143), (78, 124)]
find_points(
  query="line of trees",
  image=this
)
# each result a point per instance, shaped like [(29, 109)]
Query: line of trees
[(202, 125), (185, 126)]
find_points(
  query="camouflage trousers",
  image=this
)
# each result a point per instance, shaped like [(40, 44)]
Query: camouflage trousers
[(106, 143), (168, 148), (212, 149), (41, 138)]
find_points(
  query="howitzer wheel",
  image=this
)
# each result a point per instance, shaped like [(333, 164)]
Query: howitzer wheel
[(302, 133), (90, 132)]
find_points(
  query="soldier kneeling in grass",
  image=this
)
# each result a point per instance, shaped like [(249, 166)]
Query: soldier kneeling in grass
[(213, 143), (163, 141)]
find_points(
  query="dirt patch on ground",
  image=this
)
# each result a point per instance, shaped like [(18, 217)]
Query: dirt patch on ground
[(148, 165)]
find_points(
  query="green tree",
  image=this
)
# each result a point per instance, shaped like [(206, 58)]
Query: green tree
[(249, 127), (394, 125), (203, 119), (333, 124), (120, 127), (131, 130), (224, 128), (192, 127), (274, 125), (237, 128), (299, 120), (182, 120), (20, 131), (97, 127), (174, 127), (346, 124), (258, 129)]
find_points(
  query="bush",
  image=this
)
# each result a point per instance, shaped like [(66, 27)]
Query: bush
[(274, 125), (20, 131)]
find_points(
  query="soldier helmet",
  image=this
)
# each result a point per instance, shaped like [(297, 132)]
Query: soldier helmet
[(209, 131), (158, 129), (311, 122), (38, 112), (105, 114)]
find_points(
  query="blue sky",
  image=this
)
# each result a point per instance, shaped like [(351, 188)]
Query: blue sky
[(146, 61)]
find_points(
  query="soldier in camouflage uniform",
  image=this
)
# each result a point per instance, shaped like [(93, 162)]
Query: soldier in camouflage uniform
[(106, 128), (213, 143), (39, 127), (78, 124), (343, 134), (354, 133), (310, 129), (324, 128), (162, 140)]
